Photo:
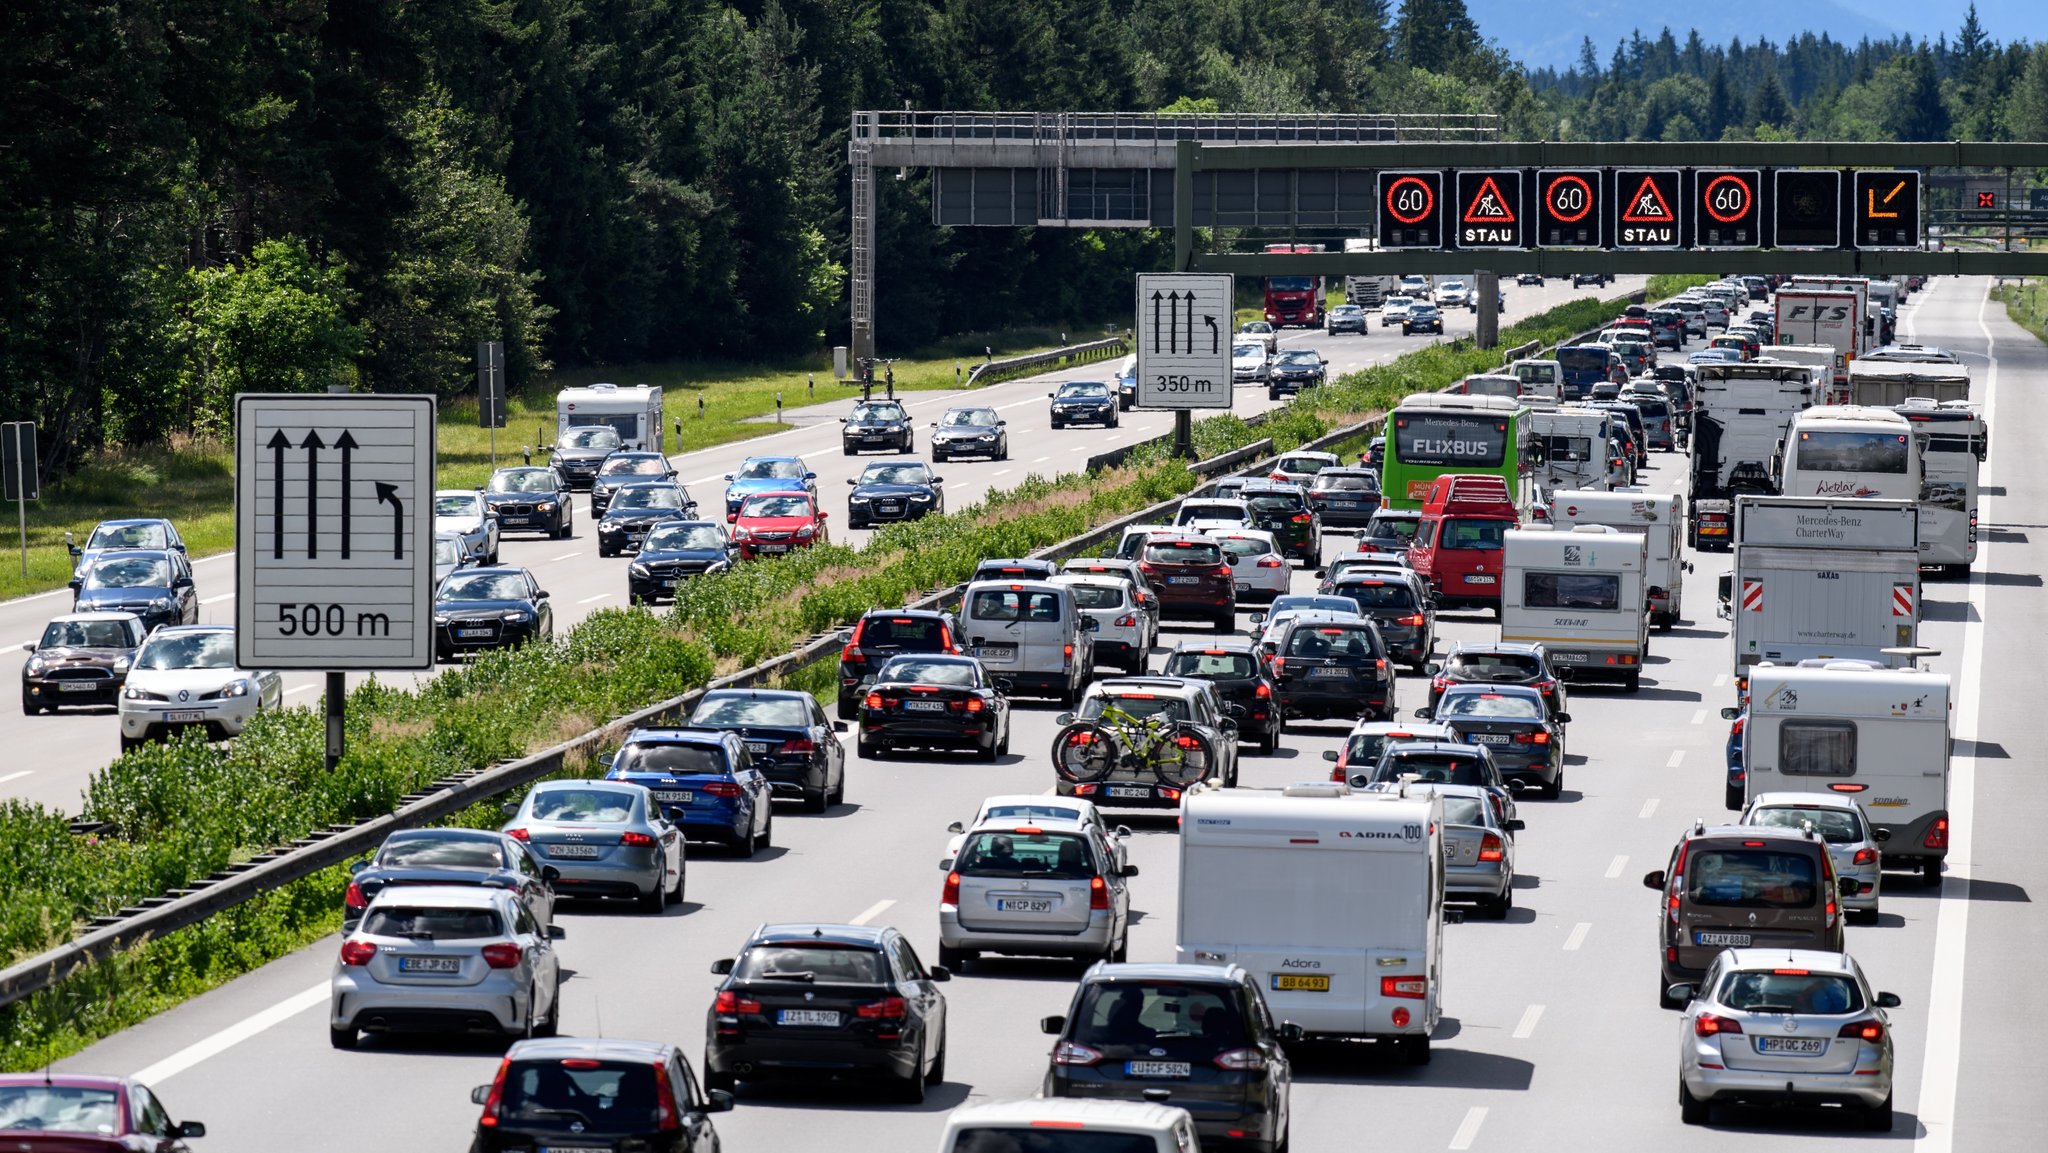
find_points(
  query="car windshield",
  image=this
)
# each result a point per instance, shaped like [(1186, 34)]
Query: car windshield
[(647, 496), (687, 538), (1494, 666), (1026, 853), (431, 852), (1247, 350), (916, 671), (764, 469), (1018, 1139), (1097, 596), (86, 635), (1379, 594), (1346, 482), (463, 505), (896, 474), (1217, 663), (429, 924), (581, 1095), (1835, 826), (1082, 390), (880, 412), (1124, 1019), (1791, 991), (447, 550), (1499, 706), (670, 760), (498, 586), (1005, 605), (776, 506), (582, 806), (1302, 465), (812, 964), (596, 436), (202, 650), (716, 712), (1463, 810), (1747, 878), (1183, 552), (1137, 704), (633, 466), (128, 536), (1480, 535), (1331, 642), (1435, 768), (128, 572), (1306, 359), (523, 480), (73, 1109), (965, 417)]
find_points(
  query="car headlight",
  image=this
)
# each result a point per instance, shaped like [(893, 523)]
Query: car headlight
[(546, 506), (131, 693), (921, 497), (742, 534), (121, 664), (440, 618), (516, 615), (805, 531), (167, 603), (35, 666), (235, 689), (893, 428), (856, 498), (639, 570)]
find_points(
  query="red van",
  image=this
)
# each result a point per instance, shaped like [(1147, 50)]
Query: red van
[(1458, 547)]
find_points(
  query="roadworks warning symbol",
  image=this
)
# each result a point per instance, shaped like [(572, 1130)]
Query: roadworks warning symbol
[(1488, 206), (1648, 206)]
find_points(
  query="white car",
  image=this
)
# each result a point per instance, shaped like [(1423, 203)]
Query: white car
[(1453, 293), (1248, 361), (1051, 808), (1394, 310), (1123, 629), (1416, 287), (1842, 823), (1256, 561), (465, 513), (185, 675), (1209, 515)]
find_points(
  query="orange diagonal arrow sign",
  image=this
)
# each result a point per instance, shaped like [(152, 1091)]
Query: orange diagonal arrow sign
[(1872, 211)]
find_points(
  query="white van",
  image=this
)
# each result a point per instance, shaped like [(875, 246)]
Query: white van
[(1658, 516), (1579, 594), (1879, 735), (1541, 379), (1069, 1125), (635, 413), (1332, 898), (1123, 629), (1030, 632)]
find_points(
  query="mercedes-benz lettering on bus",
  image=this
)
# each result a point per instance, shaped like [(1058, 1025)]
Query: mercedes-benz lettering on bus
[(1432, 434), (1850, 451), (1953, 440), (1294, 300)]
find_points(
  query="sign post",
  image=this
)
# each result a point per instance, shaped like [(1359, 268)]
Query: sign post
[(490, 390), (22, 483), (334, 534), (1184, 333)]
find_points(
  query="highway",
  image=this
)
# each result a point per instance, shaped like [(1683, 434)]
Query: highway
[(1552, 1036), (55, 754)]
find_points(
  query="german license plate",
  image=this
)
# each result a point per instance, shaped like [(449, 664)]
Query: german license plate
[(1129, 791), (1343, 504), (774, 548), (757, 747), (1729, 940), (1329, 673), (1808, 1046), (889, 509), (924, 706), (1491, 738), (668, 582), (1481, 579), (472, 632), (77, 686), (511, 520), (673, 796), (183, 718), (1183, 580), (1157, 1069), (1023, 904), (1300, 983), (429, 965), (1568, 658), (997, 652), (825, 1017), (586, 852), (575, 1149)]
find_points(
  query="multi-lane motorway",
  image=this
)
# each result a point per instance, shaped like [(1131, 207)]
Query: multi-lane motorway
[(1552, 1037), (52, 756)]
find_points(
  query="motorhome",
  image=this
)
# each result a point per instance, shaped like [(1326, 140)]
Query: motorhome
[(1579, 594), (1658, 516), (633, 412)]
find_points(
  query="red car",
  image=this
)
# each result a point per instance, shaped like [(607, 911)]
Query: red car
[(67, 1113), (772, 523)]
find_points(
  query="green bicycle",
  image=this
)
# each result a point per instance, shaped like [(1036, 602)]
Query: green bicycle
[(1177, 753)]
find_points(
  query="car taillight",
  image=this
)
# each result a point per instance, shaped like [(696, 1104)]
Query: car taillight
[(950, 895), (503, 955), (1532, 738), (801, 746), (1263, 692), (888, 1009), (722, 789), (1066, 654), (496, 1098), (1279, 665), (732, 1004), (873, 701), (665, 1116), (1302, 518), (1241, 1059), (1269, 562), (1069, 1053), (1937, 837), (518, 834), (852, 655), (1098, 893), (357, 952), (1414, 988), (1414, 622), (637, 840), (1491, 849), (1863, 1030), (354, 899), (1127, 621), (1277, 476), (974, 705), (1713, 1025), (1865, 857)]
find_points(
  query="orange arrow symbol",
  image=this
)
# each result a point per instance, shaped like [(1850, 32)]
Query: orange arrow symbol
[(1872, 211)]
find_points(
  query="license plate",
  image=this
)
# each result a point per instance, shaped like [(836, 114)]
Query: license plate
[(1491, 738), (668, 582), (588, 852), (924, 706), (1187, 580), (1730, 940), (674, 796), (889, 509), (1157, 1069), (511, 520), (472, 632), (997, 652), (1481, 580), (635, 537), (1129, 791), (575, 1149), (1809, 1046), (429, 965), (1568, 658), (1023, 904), (1300, 983), (1332, 674), (774, 548), (1343, 504), (826, 1017), (77, 686), (183, 718), (758, 748)]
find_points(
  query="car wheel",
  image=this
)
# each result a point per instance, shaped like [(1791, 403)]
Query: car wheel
[(656, 901), (553, 1024), (129, 743), (1550, 789), (1122, 951), (342, 1038), (868, 750), (936, 1075), (1415, 1050), (1633, 684), (29, 707), (1879, 1119), (910, 1090), (675, 895), (567, 528), (603, 551), (1273, 394), (1056, 426), (817, 802), (1930, 872), (741, 844), (1226, 623), (847, 449), (1691, 1109), (1733, 799), (767, 839)]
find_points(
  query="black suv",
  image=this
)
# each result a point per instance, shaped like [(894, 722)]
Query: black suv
[(1232, 664), (879, 424), (1497, 663), (596, 1091), (788, 738), (1401, 607), (1330, 665), (1282, 508), (883, 633), (1202, 1033)]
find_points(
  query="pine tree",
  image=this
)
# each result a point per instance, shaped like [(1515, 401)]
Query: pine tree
[(1720, 105), (1768, 105)]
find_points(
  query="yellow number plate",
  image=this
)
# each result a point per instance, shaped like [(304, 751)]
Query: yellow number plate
[(1295, 983)]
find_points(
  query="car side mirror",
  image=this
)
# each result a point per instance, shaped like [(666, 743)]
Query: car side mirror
[(541, 595), (1681, 994), (604, 760), (939, 973), (722, 966), (557, 933), (1848, 886), (1425, 712), (1730, 713), (1654, 880), (75, 583), (1291, 1033), (718, 1101), (1888, 1001), (1564, 718), (358, 866), (1128, 871), (956, 827), (1882, 834), (728, 476), (842, 420), (550, 874), (840, 727), (1332, 756), (1049, 395), (1564, 674), (732, 518), (810, 476), (480, 1094), (852, 482), (822, 514), (29, 647), (509, 808), (1516, 824), (1063, 719), (946, 866), (937, 480), (1006, 686), (1052, 1026), (1432, 669)]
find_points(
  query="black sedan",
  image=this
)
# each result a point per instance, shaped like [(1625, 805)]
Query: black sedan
[(1294, 370), (934, 701), (634, 511), (1423, 318), (1345, 497), (1084, 402), (1234, 666), (623, 468), (1526, 278), (489, 608), (819, 1001), (975, 431), (893, 490), (596, 1093), (676, 550), (154, 584), (788, 739), (81, 659), (531, 499), (1514, 724), (451, 857), (876, 424), (580, 451)]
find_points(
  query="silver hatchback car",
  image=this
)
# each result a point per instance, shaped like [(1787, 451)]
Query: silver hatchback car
[(1031, 886), (1851, 839), (1779, 1027), (1479, 850), (606, 838)]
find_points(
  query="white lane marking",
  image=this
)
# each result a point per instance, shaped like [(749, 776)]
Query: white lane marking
[(1041, 460), (1699, 716), (705, 479), (1938, 1070), (1527, 1026), (872, 911), (1578, 937), (300, 689), (218, 599), (233, 1035), (566, 556), (1016, 404), (17, 776), (1649, 807), (1614, 869), (592, 600), (1079, 448), (1720, 680), (999, 472), (1677, 759), (1468, 1129)]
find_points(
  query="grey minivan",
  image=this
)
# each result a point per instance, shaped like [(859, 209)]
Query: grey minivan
[(1030, 632)]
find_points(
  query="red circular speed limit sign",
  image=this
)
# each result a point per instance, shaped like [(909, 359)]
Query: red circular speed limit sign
[(1570, 198), (1410, 200), (1727, 198)]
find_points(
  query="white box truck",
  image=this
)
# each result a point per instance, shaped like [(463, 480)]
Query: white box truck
[(1867, 334), (1832, 362), (1367, 292), (1660, 517), (1580, 595), (1572, 449), (633, 411), (1822, 578), (1891, 382), (1332, 898), (1878, 735), (1823, 316), (1740, 415)]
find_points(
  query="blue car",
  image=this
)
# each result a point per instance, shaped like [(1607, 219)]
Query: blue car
[(758, 474), (151, 533), (704, 783), (1738, 780), (154, 584)]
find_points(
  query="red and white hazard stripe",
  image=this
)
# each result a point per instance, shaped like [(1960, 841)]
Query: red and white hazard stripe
[(1752, 596), (1902, 600)]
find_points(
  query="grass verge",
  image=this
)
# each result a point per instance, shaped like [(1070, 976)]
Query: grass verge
[(2026, 304)]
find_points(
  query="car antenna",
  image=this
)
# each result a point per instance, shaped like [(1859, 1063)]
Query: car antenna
[(597, 1011)]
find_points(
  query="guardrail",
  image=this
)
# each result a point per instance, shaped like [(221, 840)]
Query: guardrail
[(988, 372)]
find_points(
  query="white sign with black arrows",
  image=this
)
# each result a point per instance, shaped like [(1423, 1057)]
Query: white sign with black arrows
[(334, 531), (1184, 340)]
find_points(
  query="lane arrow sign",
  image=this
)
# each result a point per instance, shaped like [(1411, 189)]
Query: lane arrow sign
[(1215, 335), (1157, 296), (277, 443), (388, 494), (312, 444), (346, 442)]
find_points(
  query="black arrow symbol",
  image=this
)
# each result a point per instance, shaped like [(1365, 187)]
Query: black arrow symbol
[(1157, 296), (347, 444), (277, 443), (1190, 349), (1215, 335), (1173, 316), (312, 444), (388, 494)]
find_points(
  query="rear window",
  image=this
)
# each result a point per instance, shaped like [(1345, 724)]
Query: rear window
[(1053, 855), (1184, 552), (1097, 596), (921, 633), (1132, 1019), (670, 760), (435, 854), (587, 1097), (1835, 826), (1379, 594), (1651, 409), (1062, 1140), (1210, 510), (1014, 605), (916, 671), (1208, 664), (1596, 592), (1479, 535), (1747, 878), (1273, 502), (75, 1109), (823, 964), (1345, 482), (590, 806), (1464, 811), (1334, 642), (1393, 527), (1300, 465), (1160, 705), (735, 712), (1244, 546), (1817, 748), (1791, 991), (433, 924), (1495, 666), (1434, 769), (1495, 706)]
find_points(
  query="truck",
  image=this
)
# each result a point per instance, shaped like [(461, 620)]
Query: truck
[(1333, 898), (1823, 316), (1367, 292), (1830, 360), (1954, 440), (1295, 300), (1580, 594), (1740, 414), (1571, 450), (1659, 517), (1822, 578), (1870, 332), (634, 412), (1889, 383)]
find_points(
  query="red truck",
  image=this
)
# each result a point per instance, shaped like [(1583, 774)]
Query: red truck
[(1461, 540), (1295, 300)]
